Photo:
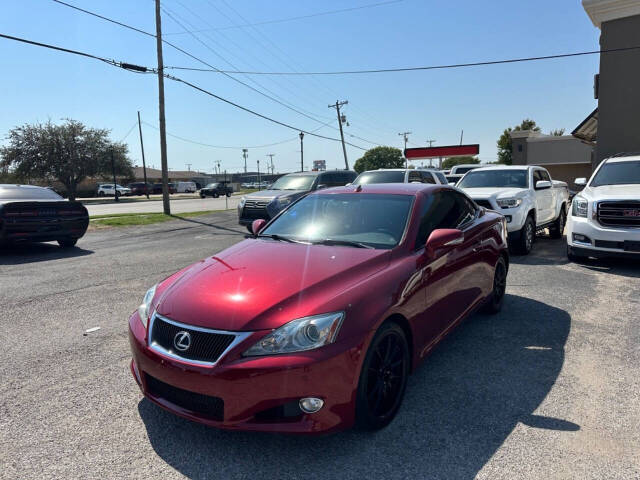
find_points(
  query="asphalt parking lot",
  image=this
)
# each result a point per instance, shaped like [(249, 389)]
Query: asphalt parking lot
[(549, 388)]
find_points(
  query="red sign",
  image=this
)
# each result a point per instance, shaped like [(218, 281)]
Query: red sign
[(436, 152)]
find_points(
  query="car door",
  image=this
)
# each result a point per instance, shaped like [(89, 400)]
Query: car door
[(544, 199), (448, 292)]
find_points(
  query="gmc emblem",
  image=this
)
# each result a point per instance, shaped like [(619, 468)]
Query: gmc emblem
[(631, 213)]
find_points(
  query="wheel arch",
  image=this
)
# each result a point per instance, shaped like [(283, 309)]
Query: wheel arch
[(403, 323)]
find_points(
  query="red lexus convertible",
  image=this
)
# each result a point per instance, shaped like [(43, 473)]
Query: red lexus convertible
[(314, 323)]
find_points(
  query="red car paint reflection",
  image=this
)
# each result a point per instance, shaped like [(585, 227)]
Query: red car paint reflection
[(314, 324)]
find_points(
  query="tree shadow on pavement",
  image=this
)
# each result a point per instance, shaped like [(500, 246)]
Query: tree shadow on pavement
[(460, 406), (37, 252), (209, 224)]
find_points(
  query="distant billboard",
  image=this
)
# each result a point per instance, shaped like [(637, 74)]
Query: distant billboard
[(319, 165)]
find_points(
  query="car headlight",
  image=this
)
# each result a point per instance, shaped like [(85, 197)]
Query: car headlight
[(143, 309), (579, 206), (299, 335), (509, 202), (242, 201)]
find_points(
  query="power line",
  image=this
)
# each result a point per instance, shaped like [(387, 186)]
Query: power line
[(289, 19), (139, 69), (428, 67)]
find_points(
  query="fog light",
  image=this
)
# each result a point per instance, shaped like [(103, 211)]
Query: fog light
[(581, 238), (311, 404), (508, 217)]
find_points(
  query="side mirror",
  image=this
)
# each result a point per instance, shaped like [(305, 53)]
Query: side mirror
[(347, 184), (543, 184), (580, 181), (321, 186), (258, 225), (443, 238)]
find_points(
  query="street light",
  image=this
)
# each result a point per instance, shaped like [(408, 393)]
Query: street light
[(301, 153)]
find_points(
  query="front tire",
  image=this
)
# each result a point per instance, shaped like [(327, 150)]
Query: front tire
[(494, 305), (216, 195), (557, 228), (524, 244), (383, 379), (67, 242)]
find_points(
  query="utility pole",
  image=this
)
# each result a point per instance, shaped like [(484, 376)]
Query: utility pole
[(301, 153), (188, 166), (245, 154), (270, 155), (258, 174), (461, 135), (163, 131), (113, 170), (218, 170), (144, 166), (405, 135), (431, 142), (344, 149)]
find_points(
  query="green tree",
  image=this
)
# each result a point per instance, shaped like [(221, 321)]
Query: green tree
[(558, 132), (69, 153), (379, 157), (504, 142), (453, 161)]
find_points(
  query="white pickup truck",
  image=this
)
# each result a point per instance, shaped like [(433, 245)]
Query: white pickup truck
[(525, 195), (605, 216)]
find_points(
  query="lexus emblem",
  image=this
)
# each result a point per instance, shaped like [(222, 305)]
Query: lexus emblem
[(182, 341)]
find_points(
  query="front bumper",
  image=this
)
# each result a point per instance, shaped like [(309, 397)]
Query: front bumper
[(251, 386), (601, 241)]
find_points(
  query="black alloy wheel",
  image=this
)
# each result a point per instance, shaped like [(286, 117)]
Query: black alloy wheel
[(383, 379), (499, 287)]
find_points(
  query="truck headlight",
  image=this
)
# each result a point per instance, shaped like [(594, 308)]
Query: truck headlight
[(509, 202), (579, 206), (143, 309), (242, 202), (299, 335)]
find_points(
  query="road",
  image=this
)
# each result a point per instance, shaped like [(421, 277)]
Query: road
[(549, 388), (155, 206)]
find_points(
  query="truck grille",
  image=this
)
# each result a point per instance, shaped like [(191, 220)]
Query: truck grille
[(205, 345), (254, 209), (212, 407), (619, 214)]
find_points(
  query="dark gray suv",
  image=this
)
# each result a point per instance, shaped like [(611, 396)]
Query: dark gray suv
[(267, 203)]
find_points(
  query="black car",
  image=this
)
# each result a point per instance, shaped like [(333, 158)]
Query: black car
[(216, 190), (35, 214), (140, 188), (267, 203), (157, 188)]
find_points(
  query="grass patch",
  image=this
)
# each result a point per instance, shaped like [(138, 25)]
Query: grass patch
[(129, 219)]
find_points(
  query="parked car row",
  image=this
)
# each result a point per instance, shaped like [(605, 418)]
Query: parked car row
[(255, 185)]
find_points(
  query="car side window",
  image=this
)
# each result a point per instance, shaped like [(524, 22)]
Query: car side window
[(427, 177), (444, 209), (545, 175), (441, 177), (415, 177)]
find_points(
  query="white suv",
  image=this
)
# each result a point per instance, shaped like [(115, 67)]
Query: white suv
[(106, 189), (605, 216)]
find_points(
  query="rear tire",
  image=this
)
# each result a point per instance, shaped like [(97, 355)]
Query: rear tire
[(494, 305), (383, 379), (557, 228), (67, 242), (524, 244)]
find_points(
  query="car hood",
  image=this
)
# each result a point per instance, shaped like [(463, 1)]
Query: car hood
[(497, 192), (612, 192), (262, 284), (271, 194)]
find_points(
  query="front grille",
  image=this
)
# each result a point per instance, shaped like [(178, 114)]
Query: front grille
[(484, 203), (609, 244), (254, 209), (619, 214), (205, 346), (211, 407)]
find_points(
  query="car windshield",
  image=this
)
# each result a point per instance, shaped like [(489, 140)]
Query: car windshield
[(25, 193), (618, 173), (212, 185), (380, 176), (293, 182), (494, 178), (371, 220), (461, 170)]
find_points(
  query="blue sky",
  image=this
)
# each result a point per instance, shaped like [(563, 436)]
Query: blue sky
[(39, 84)]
